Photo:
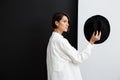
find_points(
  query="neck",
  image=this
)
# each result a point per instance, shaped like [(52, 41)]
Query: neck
[(58, 31)]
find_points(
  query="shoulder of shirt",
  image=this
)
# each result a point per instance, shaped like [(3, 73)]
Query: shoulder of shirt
[(58, 37)]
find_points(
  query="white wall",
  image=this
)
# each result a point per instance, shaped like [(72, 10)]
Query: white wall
[(104, 63)]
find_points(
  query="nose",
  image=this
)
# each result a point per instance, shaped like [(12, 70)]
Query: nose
[(67, 24)]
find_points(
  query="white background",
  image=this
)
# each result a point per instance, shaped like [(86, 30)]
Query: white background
[(104, 63)]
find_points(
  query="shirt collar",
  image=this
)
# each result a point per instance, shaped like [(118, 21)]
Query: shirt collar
[(56, 33)]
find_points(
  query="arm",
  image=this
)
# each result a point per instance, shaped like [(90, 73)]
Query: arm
[(73, 54)]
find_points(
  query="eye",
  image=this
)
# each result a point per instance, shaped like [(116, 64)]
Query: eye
[(65, 21)]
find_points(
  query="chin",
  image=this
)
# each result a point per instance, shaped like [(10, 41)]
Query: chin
[(66, 30)]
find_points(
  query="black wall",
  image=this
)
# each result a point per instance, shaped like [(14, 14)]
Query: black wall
[(25, 28)]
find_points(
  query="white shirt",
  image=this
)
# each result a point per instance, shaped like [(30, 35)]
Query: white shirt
[(63, 59)]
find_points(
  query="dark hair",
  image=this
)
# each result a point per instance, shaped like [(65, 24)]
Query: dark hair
[(57, 17)]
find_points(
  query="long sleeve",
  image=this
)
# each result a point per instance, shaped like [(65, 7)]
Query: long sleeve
[(72, 53), (63, 59)]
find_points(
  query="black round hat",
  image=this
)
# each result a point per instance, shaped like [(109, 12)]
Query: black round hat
[(97, 23)]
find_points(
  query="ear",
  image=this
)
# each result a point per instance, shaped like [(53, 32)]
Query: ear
[(56, 23)]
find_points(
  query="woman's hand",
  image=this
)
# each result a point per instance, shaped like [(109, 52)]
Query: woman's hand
[(95, 38)]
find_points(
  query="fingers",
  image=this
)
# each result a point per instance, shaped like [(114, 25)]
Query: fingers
[(93, 34), (97, 33), (95, 37)]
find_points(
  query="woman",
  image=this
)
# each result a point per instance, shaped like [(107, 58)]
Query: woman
[(63, 59)]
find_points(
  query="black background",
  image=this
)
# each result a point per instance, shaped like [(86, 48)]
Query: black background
[(25, 28)]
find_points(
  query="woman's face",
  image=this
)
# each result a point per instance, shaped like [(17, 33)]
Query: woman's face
[(63, 24)]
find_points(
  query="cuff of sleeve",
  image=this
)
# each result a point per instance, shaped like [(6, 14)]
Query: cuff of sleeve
[(90, 45)]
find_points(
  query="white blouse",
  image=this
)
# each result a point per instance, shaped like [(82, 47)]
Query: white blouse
[(63, 59)]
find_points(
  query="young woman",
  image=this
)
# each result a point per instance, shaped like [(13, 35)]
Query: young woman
[(63, 59)]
